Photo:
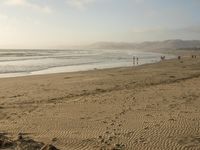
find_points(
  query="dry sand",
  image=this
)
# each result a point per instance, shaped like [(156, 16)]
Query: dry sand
[(150, 107)]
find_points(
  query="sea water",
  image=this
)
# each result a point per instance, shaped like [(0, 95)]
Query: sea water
[(33, 62)]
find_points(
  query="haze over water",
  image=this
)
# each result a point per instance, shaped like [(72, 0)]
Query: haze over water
[(32, 62)]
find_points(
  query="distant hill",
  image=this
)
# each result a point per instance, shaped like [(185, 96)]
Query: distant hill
[(156, 45)]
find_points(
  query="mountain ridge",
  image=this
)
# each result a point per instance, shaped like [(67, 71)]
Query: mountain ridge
[(148, 45)]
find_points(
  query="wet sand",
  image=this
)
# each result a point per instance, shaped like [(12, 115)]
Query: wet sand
[(149, 107)]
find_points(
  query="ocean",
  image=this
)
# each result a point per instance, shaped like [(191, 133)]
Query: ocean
[(34, 62)]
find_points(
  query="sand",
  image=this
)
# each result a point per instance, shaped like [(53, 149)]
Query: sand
[(150, 107)]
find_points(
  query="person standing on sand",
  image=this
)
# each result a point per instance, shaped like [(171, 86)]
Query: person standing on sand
[(162, 58), (133, 60)]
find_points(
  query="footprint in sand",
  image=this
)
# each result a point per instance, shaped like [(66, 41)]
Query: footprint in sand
[(190, 141)]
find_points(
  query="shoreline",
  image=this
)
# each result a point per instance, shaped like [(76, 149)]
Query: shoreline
[(36, 66), (18, 75), (133, 108)]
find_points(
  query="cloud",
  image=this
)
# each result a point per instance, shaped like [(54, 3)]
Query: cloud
[(195, 29), (79, 4), (147, 29), (27, 3), (192, 29), (16, 2), (3, 17)]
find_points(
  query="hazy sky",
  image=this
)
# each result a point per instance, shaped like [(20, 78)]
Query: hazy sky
[(62, 23)]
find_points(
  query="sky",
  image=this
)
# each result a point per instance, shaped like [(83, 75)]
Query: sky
[(65, 23)]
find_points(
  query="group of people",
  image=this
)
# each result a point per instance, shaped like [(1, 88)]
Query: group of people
[(179, 57), (135, 60), (193, 56)]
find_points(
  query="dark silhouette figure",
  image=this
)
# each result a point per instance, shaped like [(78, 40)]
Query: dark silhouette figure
[(133, 60), (194, 56), (162, 58)]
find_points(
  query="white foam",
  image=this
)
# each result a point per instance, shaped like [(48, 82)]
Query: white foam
[(31, 62)]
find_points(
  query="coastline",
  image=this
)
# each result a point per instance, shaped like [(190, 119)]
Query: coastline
[(37, 73), (141, 107), (51, 63)]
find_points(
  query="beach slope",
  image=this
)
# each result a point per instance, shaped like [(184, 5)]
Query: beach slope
[(149, 107)]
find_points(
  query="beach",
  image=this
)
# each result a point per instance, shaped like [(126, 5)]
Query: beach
[(147, 107)]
